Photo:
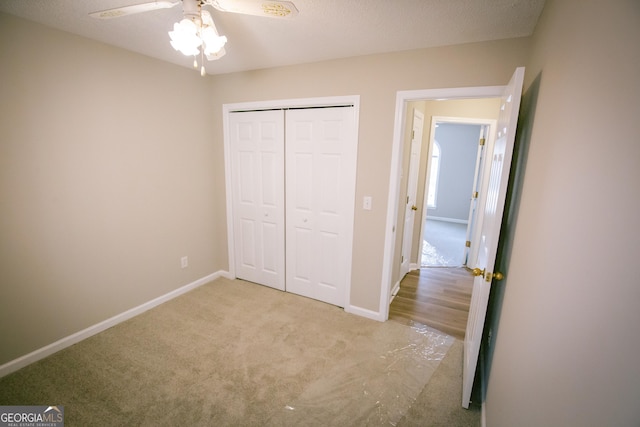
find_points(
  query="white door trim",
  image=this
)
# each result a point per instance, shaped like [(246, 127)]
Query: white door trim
[(332, 101), (402, 97)]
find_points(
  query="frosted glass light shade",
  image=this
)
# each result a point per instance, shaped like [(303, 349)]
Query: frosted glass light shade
[(212, 41), (184, 37), (189, 34)]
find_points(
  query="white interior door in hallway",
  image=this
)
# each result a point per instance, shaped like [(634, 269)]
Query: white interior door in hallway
[(412, 191), (293, 199)]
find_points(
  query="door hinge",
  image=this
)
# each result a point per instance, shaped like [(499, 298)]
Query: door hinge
[(413, 134), (407, 199), (482, 141), (475, 195), (467, 243)]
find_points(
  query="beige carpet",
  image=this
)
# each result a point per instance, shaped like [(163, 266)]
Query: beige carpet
[(235, 353)]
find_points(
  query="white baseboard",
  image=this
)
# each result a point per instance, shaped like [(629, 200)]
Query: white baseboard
[(224, 274), (483, 416), (68, 341), (441, 218), (359, 311), (394, 291)]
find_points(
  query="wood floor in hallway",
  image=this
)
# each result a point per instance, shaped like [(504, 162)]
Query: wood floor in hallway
[(436, 297)]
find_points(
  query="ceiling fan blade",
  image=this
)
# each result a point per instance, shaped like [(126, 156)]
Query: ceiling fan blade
[(271, 9), (135, 8)]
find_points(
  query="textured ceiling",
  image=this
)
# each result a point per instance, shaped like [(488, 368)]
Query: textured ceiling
[(324, 29)]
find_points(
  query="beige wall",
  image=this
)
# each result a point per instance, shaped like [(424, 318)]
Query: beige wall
[(106, 180), (376, 79), (567, 344)]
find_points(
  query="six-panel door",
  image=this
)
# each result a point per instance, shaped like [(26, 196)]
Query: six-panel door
[(320, 186), (257, 152), (293, 176)]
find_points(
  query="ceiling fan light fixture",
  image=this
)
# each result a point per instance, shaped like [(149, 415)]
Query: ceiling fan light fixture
[(185, 38), (195, 31)]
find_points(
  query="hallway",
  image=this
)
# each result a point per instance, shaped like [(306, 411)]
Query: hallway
[(436, 297), (443, 244)]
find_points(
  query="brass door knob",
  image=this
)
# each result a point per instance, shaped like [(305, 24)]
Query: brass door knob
[(497, 275), (414, 208), (477, 272)]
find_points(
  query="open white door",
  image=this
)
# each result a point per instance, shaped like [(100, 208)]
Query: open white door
[(412, 191), (500, 157)]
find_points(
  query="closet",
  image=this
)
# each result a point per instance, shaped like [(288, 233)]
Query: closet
[(292, 188)]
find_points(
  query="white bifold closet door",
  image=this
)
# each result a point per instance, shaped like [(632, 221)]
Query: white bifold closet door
[(257, 174), (320, 190), (312, 186)]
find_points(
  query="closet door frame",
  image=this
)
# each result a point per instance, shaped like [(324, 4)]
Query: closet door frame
[(227, 109)]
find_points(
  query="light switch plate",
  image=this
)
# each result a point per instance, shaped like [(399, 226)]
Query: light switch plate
[(366, 203)]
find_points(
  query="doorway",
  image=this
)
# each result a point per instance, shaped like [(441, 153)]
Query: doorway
[(453, 180), (470, 104), (491, 201)]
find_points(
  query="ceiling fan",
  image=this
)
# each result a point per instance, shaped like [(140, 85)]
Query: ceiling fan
[(197, 29)]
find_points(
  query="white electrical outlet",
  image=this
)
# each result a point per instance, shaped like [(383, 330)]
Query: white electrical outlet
[(184, 262)]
